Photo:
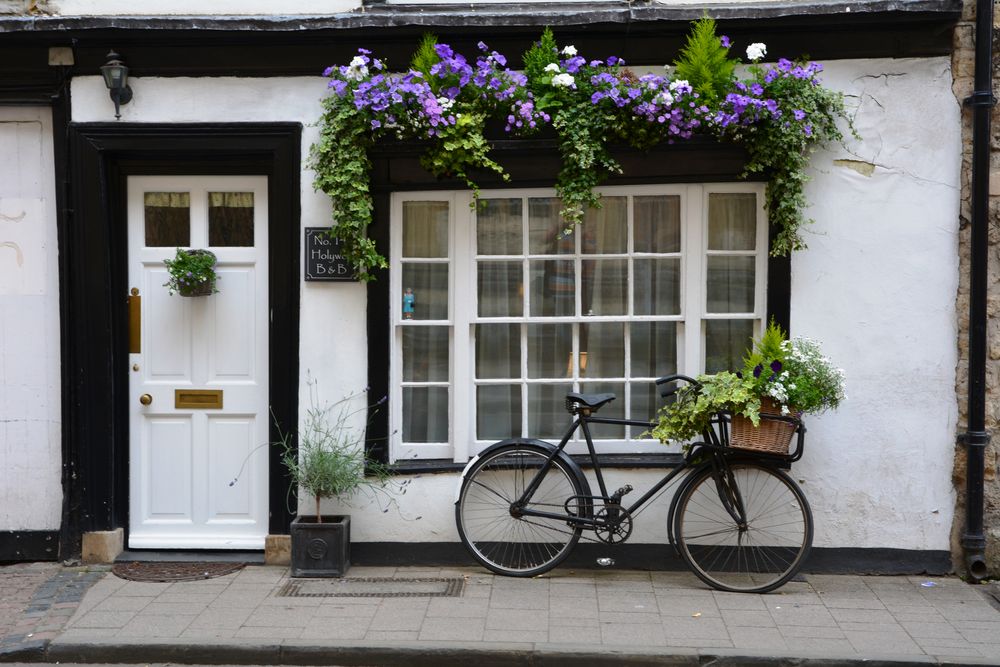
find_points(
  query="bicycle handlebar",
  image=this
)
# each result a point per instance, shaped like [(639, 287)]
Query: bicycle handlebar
[(671, 389)]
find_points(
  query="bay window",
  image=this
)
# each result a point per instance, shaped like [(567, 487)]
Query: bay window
[(498, 311)]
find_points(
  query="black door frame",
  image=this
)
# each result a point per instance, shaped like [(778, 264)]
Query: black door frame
[(93, 287)]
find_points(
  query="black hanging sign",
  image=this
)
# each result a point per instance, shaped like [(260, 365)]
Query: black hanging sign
[(323, 258)]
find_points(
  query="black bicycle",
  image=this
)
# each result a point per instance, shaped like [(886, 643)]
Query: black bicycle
[(737, 519)]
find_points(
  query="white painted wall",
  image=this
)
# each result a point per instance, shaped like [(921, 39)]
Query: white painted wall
[(30, 412), (877, 286)]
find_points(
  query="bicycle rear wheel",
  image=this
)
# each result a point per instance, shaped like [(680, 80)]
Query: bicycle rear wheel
[(758, 556), (503, 541)]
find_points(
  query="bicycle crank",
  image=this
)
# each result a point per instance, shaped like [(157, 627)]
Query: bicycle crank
[(614, 524)]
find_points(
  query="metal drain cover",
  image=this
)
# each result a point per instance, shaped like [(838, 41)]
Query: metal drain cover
[(374, 587)]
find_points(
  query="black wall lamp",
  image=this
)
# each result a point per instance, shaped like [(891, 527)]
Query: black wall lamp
[(115, 75)]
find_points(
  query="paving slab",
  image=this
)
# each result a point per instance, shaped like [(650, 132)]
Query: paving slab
[(569, 617)]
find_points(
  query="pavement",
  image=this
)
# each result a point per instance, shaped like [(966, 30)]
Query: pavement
[(258, 615)]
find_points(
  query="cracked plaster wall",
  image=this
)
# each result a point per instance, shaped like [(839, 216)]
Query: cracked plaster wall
[(963, 59), (30, 398)]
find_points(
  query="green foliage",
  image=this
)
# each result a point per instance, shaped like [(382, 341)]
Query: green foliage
[(695, 406), (460, 148), (542, 53), (340, 160), (189, 269), (426, 57), (705, 63), (586, 162), (766, 349), (330, 460)]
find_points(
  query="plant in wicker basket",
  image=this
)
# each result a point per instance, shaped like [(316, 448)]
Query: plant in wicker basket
[(191, 273), (781, 379)]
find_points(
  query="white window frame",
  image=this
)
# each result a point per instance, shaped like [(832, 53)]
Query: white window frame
[(462, 289)]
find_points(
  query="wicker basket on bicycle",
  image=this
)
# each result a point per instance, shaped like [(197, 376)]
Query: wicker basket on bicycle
[(773, 436)]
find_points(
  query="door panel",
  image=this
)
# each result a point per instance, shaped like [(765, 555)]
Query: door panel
[(199, 475)]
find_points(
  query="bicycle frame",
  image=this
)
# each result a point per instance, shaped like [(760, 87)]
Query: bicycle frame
[(714, 443)]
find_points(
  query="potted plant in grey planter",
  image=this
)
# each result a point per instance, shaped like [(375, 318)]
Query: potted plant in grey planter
[(329, 462)]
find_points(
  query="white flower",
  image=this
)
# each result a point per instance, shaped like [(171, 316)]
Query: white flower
[(674, 85), (446, 103), (569, 50), (357, 70), (564, 79), (665, 98), (756, 51), (552, 67)]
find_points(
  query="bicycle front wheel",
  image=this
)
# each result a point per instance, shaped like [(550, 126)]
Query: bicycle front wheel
[(755, 555), (504, 540)]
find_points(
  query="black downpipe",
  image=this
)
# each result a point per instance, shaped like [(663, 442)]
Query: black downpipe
[(975, 437)]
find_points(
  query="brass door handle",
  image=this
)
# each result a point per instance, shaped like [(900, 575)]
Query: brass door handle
[(145, 399)]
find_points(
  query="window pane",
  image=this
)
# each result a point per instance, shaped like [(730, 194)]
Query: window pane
[(604, 286), (425, 354), (613, 410), (498, 227), (425, 414), (657, 287), (498, 351), (547, 416), (654, 349), (230, 219), (730, 284), (550, 350), (602, 350), (501, 289), (553, 287), (167, 219), (425, 229), (644, 403), (732, 221), (657, 223), (428, 285), (605, 229), (545, 228), (726, 341), (498, 412)]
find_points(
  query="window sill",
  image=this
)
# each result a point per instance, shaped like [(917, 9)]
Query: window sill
[(609, 461)]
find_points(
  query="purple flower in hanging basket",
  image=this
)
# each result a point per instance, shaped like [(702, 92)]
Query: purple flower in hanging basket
[(757, 370)]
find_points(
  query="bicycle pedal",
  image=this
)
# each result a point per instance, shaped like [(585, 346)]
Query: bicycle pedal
[(624, 491)]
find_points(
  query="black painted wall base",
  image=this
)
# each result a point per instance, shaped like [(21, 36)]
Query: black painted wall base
[(840, 560), (28, 545)]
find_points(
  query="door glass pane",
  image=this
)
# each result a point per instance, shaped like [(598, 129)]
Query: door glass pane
[(657, 287), (547, 417), (605, 229), (167, 218), (602, 350), (425, 354), (604, 286), (545, 228), (499, 230), (726, 341), (501, 289), (498, 351), (550, 350), (553, 287), (428, 287), (425, 229), (230, 219), (498, 412), (730, 284), (654, 349), (657, 223), (732, 221), (613, 410), (425, 414)]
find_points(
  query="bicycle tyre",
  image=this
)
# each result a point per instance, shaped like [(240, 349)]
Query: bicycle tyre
[(764, 556), (509, 545)]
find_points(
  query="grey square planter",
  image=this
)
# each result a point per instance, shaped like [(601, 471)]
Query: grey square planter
[(321, 549)]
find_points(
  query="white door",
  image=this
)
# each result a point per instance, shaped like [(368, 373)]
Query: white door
[(198, 476)]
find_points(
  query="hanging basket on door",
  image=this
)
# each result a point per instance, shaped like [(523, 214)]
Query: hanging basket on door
[(191, 273)]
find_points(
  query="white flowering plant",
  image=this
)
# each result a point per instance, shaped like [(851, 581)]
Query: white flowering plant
[(793, 373)]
